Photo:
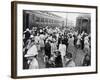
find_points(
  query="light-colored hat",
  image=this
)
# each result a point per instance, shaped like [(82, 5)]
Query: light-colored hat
[(29, 55), (41, 30), (31, 36), (27, 29)]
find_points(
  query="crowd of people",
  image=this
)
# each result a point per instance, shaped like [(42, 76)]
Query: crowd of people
[(56, 47)]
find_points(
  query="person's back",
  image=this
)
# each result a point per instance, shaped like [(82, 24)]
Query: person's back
[(47, 46), (27, 34), (58, 61), (47, 49)]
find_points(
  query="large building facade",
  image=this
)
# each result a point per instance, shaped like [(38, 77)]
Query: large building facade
[(41, 19)]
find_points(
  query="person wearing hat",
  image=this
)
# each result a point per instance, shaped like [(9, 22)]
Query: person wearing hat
[(32, 55), (68, 60), (58, 59), (26, 47)]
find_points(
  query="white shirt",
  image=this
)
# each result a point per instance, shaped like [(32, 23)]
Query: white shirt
[(37, 39), (71, 41), (62, 49)]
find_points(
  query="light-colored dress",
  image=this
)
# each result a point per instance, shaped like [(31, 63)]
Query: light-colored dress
[(34, 64), (78, 41), (53, 47), (71, 47), (41, 41), (86, 46), (70, 44), (31, 53), (62, 49), (71, 41), (37, 38)]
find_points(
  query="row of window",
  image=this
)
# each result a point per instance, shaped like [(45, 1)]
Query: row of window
[(38, 19)]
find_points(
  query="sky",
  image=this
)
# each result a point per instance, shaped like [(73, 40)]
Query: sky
[(71, 17)]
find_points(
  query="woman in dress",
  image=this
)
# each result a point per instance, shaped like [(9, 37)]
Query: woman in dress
[(32, 56), (62, 49), (37, 38), (53, 46), (86, 44), (41, 42), (78, 41)]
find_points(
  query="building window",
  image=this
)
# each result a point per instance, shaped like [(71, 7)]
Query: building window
[(37, 19), (46, 20), (42, 19)]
